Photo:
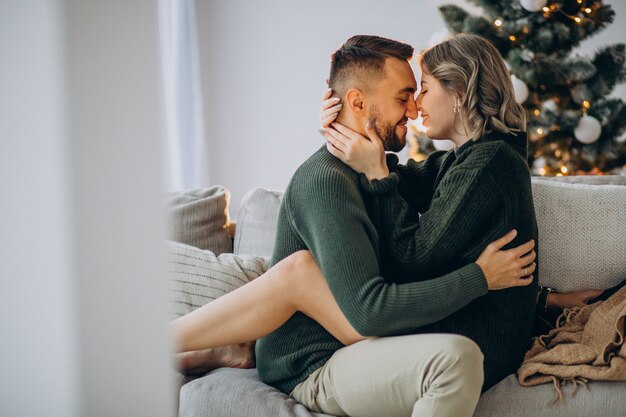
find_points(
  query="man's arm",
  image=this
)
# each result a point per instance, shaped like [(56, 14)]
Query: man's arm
[(328, 213)]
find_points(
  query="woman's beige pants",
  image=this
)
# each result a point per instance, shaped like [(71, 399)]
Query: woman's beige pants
[(417, 375)]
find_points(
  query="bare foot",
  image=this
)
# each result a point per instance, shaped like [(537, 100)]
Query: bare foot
[(203, 361)]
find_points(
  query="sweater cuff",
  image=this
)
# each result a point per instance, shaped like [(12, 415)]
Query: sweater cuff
[(381, 186), (474, 280)]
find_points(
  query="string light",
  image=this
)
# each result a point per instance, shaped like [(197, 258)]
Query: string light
[(586, 104), (512, 38), (558, 8), (537, 112), (564, 169), (540, 131), (542, 171), (498, 22)]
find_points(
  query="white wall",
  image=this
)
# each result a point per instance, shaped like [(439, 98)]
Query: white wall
[(264, 66), (38, 314), (83, 315), (116, 128)]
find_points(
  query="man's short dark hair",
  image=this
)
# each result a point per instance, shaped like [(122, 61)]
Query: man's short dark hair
[(360, 62)]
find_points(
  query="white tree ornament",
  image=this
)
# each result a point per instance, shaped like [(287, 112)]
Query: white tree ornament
[(533, 5), (588, 129), (550, 105)]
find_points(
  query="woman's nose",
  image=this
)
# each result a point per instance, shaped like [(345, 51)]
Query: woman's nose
[(418, 102)]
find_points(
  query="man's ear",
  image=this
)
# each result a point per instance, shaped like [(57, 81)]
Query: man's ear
[(355, 99)]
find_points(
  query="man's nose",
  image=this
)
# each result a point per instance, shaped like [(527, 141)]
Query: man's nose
[(411, 111)]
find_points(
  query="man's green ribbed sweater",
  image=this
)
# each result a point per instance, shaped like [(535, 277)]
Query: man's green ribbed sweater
[(325, 210)]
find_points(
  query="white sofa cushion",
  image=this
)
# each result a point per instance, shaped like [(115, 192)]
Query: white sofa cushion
[(256, 224), (582, 234), (199, 276)]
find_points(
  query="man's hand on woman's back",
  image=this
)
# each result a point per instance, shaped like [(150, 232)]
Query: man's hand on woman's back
[(508, 268)]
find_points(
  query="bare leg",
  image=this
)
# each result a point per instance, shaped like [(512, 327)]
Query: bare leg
[(260, 307)]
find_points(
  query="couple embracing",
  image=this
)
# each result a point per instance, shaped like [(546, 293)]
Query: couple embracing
[(396, 290)]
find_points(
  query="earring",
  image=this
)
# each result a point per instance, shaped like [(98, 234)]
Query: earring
[(457, 105)]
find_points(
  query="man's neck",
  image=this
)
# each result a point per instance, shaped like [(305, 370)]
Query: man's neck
[(352, 123)]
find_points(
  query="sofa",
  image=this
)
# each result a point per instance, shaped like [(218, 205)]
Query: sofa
[(582, 244)]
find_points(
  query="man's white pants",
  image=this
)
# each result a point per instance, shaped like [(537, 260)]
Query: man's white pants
[(417, 375)]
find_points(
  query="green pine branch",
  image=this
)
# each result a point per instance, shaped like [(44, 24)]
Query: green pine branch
[(611, 61), (459, 21), (598, 20), (493, 8), (612, 112), (454, 16)]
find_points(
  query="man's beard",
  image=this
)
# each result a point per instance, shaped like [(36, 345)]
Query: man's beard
[(386, 132)]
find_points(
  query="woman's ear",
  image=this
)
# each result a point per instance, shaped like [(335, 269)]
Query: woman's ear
[(355, 100)]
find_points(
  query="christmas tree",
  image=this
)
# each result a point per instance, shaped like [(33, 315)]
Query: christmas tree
[(573, 126)]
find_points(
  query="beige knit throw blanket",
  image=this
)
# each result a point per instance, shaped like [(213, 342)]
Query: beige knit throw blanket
[(587, 344)]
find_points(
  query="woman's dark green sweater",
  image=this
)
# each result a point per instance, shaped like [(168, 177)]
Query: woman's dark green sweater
[(468, 198)]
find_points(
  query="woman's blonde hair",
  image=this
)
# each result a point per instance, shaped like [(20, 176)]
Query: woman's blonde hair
[(474, 71)]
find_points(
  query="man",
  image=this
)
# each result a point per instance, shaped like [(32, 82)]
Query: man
[(323, 211)]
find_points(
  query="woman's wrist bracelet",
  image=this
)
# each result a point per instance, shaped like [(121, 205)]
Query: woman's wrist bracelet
[(542, 302)]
